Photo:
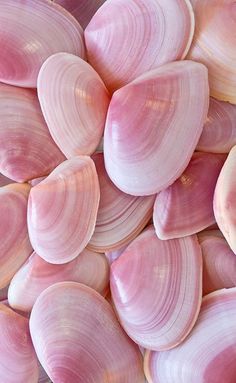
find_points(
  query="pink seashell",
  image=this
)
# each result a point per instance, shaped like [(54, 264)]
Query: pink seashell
[(219, 263), (31, 31), (153, 125), (82, 10), (15, 246), (26, 148), (209, 352), (67, 80), (156, 287), (224, 200), (127, 38), (215, 25), (78, 339), (18, 362), (36, 275), (185, 207), (219, 132), (62, 210), (121, 217)]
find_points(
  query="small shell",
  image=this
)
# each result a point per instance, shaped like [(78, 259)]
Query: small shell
[(185, 207), (121, 217), (15, 246), (209, 352), (30, 32), (26, 148), (36, 275), (62, 210), (153, 126), (127, 38), (214, 45), (77, 338), (18, 362), (224, 200), (156, 287), (65, 79), (219, 263)]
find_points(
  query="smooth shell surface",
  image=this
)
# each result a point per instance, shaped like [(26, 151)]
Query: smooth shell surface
[(219, 263), (224, 200), (153, 126), (219, 131), (26, 148), (18, 362), (209, 352), (186, 207), (127, 38), (78, 339), (36, 275), (30, 32), (214, 45), (156, 287), (121, 217), (62, 210), (15, 245), (74, 102)]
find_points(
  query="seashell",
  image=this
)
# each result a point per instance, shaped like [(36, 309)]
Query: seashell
[(127, 38), (121, 217), (219, 263), (224, 200), (62, 210), (43, 28), (18, 362), (185, 207), (219, 131), (15, 246), (26, 148), (82, 10), (36, 275), (112, 255), (153, 126), (77, 338), (209, 352), (215, 24), (156, 287), (65, 79)]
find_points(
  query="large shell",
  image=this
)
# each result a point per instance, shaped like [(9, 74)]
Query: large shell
[(77, 338), (18, 362), (30, 32), (74, 101), (121, 217), (219, 262), (209, 352), (224, 200), (82, 10), (214, 45), (219, 131), (62, 210), (156, 287), (153, 126), (127, 38), (15, 246), (36, 275), (186, 207), (26, 148)]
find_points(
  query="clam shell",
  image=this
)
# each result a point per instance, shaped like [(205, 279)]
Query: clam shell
[(26, 148), (77, 338), (62, 210), (127, 38), (30, 32), (74, 101), (153, 126), (156, 288)]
